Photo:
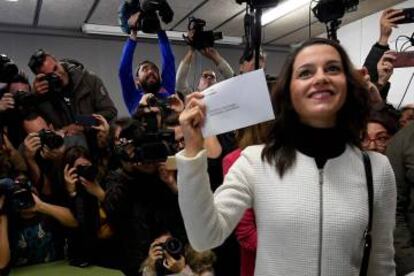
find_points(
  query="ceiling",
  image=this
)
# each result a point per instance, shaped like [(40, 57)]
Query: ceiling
[(221, 15)]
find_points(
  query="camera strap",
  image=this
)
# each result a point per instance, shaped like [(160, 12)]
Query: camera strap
[(367, 234)]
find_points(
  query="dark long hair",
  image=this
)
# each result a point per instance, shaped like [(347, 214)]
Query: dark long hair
[(351, 119)]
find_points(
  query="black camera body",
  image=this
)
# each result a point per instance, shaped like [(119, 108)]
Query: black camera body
[(150, 144), (18, 193), (54, 82), (89, 172), (50, 139), (149, 21), (175, 248), (201, 39), (408, 16), (329, 10), (259, 4), (8, 69)]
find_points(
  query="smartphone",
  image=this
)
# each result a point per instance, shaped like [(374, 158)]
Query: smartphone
[(404, 59), (408, 16), (171, 163), (86, 120)]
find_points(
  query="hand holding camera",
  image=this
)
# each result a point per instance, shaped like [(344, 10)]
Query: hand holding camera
[(166, 255), (388, 20), (70, 179), (31, 145), (385, 67), (6, 102)]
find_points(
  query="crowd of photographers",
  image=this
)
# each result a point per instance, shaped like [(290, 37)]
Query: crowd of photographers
[(77, 182)]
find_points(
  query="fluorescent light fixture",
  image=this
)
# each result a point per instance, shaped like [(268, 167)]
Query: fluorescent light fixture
[(282, 9), (12, 0), (110, 30)]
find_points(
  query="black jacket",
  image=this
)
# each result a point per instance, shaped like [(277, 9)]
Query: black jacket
[(140, 207), (374, 56), (87, 95)]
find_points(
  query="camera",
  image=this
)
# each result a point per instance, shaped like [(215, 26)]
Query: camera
[(8, 69), (201, 39), (149, 21), (89, 172), (175, 248), (329, 10), (50, 139), (53, 81), (18, 193), (150, 144), (408, 16), (259, 4)]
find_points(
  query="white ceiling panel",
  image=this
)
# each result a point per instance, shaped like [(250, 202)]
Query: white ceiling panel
[(68, 14), (106, 13), (21, 12), (214, 12), (235, 27)]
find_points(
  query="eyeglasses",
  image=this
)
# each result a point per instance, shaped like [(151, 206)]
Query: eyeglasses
[(379, 141), (207, 75)]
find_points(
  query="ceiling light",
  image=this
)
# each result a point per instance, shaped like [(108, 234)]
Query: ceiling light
[(12, 0), (282, 9), (110, 30)]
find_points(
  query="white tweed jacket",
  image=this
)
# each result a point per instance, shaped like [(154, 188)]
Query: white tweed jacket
[(310, 222)]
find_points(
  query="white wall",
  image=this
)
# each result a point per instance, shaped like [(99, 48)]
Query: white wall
[(358, 38), (102, 56)]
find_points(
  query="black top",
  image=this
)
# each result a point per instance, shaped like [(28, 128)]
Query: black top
[(319, 143)]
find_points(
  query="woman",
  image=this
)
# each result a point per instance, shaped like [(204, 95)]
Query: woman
[(307, 184), (380, 128)]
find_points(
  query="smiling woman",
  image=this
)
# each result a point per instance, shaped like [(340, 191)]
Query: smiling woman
[(307, 184)]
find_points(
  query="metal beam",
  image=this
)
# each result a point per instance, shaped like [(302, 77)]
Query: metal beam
[(188, 14), (92, 10), (37, 12)]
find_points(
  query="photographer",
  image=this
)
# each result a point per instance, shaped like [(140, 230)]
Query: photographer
[(208, 77), (16, 100), (43, 150), (140, 204), (30, 229), (378, 71), (170, 256), (68, 90), (91, 242), (147, 77)]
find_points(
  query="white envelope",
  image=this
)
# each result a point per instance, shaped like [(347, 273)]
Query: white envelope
[(236, 103)]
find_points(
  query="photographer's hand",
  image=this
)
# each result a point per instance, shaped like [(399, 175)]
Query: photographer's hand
[(155, 253), (103, 130), (191, 120), (52, 154), (40, 85), (6, 102), (168, 177), (387, 22), (31, 145), (93, 188), (385, 67), (176, 103), (133, 23), (70, 179), (176, 266)]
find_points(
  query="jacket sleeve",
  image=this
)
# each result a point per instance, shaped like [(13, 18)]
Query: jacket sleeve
[(209, 219), (130, 93), (374, 55), (103, 104), (381, 260), (246, 232), (400, 152), (116, 200), (225, 69), (181, 78), (168, 63)]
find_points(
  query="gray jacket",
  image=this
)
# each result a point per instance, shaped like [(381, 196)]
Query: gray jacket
[(400, 152)]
